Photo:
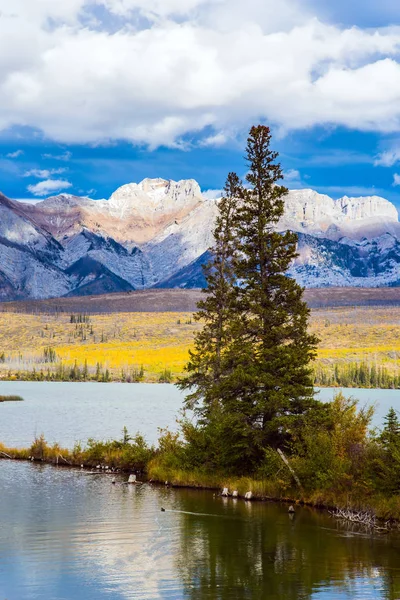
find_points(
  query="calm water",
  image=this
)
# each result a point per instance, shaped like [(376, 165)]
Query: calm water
[(71, 412), (67, 536)]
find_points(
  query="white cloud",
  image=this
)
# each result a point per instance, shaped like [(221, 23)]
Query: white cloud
[(293, 179), (219, 139), (66, 156), (292, 175), (198, 65), (46, 187), (388, 158), (15, 154), (212, 194), (43, 173), (396, 179), (154, 8)]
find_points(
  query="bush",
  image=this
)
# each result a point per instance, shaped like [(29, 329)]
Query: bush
[(166, 376)]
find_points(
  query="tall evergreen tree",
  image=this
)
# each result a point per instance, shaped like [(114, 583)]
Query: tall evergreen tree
[(272, 380), (250, 369)]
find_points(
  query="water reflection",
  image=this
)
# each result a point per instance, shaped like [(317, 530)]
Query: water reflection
[(270, 555), (65, 535)]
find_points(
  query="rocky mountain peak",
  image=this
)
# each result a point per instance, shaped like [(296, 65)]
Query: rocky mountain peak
[(309, 211), (367, 207), (155, 195)]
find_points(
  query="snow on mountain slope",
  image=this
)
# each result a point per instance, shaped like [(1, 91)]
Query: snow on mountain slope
[(29, 256), (18, 228), (134, 214), (365, 263), (152, 196), (309, 212), (29, 275), (182, 242), (158, 232), (130, 265)]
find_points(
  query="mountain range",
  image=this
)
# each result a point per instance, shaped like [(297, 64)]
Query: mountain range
[(157, 233)]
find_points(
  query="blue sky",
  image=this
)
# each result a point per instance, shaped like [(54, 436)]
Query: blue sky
[(98, 93)]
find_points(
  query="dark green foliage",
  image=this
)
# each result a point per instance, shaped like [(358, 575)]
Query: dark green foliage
[(251, 362), (166, 376), (273, 343), (79, 318), (205, 367), (130, 452), (330, 449), (390, 463), (11, 398), (360, 375)]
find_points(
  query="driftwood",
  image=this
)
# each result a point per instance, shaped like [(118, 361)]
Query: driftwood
[(285, 460), (7, 455), (64, 459), (365, 518)]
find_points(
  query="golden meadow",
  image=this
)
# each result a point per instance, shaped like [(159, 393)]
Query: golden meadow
[(155, 345)]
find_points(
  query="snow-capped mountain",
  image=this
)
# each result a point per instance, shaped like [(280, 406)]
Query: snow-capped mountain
[(157, 233)]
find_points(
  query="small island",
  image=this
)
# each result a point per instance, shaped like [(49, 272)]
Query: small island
[(11, 399)]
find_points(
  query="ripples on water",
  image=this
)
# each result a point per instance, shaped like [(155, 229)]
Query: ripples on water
[(68, 536)]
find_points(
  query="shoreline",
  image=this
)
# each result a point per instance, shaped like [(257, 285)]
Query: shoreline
[(173, 383), (359, 511)]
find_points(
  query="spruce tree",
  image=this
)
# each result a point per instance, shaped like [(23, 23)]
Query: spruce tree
[(250, 372), (390, 439), (271, 383), (205, 368), (391, 432)]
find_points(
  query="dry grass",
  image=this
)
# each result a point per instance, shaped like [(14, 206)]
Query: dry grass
[(369, 334), (118, 342), (158, 341)]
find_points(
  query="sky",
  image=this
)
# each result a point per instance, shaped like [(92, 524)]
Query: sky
[(99, 93)]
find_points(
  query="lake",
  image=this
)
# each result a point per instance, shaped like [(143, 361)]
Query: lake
[(65, 535), (71, 412)]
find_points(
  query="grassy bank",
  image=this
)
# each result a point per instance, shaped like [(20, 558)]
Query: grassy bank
[(345, 467), (360, 347), (280, 490), (11, 399)]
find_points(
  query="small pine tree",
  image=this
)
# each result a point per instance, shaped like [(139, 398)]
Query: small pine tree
[(98, 371), (391, 431), (390, 439)]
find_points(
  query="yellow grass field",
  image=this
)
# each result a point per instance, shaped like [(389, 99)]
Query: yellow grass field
[(158, 341), (118, 342)]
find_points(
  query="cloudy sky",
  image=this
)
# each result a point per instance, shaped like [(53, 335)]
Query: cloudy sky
[(98, 93)]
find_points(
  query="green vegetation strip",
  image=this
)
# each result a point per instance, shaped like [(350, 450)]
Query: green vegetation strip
[(338, 460), (11, 399)]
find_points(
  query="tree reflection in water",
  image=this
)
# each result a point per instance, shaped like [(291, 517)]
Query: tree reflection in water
[(255, 550)]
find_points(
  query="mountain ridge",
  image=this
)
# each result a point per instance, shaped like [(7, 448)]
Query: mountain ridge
[(157, 233)]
